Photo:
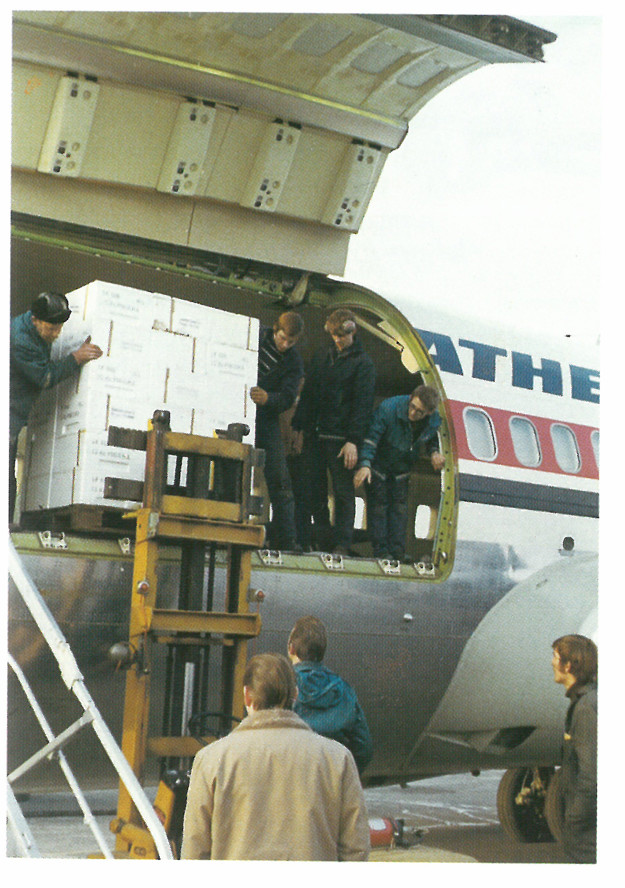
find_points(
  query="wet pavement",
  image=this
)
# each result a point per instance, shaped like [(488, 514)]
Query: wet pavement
[(456, 817)]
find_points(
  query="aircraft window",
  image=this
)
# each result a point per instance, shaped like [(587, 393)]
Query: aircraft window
[(525, 441), (359, 520), (480, 434), (423, 522), (594, 437), (565, 446)]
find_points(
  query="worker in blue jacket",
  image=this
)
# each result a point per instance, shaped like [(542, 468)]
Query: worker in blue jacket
[(400, 427), (32, 368), (325, 701)]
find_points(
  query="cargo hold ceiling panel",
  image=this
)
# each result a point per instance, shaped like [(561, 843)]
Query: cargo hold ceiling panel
[(288, 116)]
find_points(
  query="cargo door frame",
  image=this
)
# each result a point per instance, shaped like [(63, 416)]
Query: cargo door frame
[(294, 288), (397, 331)]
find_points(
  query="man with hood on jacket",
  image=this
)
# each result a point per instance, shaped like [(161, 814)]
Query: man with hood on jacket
[(324, 700)]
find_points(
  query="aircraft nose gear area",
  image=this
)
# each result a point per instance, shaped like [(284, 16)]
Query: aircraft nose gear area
[(529, 804)]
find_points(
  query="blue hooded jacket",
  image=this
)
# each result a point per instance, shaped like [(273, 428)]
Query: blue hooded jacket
[(329, 705)]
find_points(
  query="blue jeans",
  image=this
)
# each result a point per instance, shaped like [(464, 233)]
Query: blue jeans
[(387, 513)]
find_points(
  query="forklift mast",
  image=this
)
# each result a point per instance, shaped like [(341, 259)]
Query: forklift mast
[(198, 494)]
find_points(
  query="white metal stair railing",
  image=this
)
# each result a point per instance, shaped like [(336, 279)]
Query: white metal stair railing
[(20, 830), (53, 746), (74, 681)]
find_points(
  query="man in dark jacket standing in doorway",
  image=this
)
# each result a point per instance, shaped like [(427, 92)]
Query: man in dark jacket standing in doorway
[(32, 369), (325, 701), (574, 666), (280, 370), (333, 415)]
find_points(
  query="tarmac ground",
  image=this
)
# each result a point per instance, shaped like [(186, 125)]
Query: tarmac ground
[(457, 815), (454, 817)]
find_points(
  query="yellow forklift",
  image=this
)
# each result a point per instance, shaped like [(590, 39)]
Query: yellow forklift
[(198, 494)]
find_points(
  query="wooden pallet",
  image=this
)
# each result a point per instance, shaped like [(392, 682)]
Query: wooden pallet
[(80, 518)]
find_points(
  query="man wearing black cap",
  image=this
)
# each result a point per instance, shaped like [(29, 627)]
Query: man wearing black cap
[(32, 370)]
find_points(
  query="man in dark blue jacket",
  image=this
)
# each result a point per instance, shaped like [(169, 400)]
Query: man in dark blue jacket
[(332, 417), (400, 427), (324, 700), (280, 370), (33, 370), (574, 666)]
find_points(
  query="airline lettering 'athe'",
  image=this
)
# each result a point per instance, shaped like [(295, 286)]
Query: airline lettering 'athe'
[(584, 381)]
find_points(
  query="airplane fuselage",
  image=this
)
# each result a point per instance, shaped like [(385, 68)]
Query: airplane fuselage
[(451, 664), (449, 654)]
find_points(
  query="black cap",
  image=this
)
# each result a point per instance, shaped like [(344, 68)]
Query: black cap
[(51, 307)]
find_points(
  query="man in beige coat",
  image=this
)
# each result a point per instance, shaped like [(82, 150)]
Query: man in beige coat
[(273, 789)]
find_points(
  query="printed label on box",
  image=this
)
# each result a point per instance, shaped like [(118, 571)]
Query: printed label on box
[(192, 319), (116, 301)]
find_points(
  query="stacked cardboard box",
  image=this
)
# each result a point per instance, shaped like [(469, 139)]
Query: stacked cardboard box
[(160, 352)]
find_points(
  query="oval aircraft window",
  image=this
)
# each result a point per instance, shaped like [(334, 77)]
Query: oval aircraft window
[(525, 441), (480, 434), (594, 437), (565, 446)]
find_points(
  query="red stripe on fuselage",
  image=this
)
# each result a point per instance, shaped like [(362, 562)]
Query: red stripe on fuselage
[(505, 448)]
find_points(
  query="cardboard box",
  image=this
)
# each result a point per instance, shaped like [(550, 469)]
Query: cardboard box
[(36, 492), (82, 487), (215, 361), (171, 350), (214, 325), (192, 319), (160, 353), (162, 307), (127, 378), (100, 299)]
